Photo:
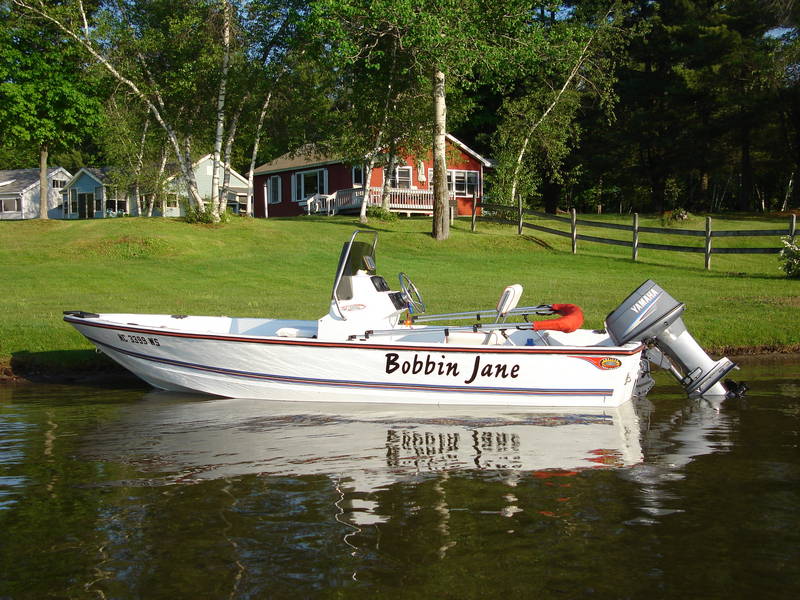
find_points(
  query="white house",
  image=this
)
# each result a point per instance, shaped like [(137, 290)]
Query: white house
[(19, 193), (236, 192)]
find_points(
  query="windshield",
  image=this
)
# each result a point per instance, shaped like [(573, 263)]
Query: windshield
[(356, 256)]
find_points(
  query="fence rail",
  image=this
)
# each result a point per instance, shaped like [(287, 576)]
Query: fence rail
[(635, 229)]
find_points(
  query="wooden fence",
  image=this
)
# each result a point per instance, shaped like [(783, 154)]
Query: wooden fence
[(635, 229)]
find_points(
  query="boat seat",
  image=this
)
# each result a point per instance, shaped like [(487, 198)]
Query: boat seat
[(508, 301), (479, 338), (296, 332)]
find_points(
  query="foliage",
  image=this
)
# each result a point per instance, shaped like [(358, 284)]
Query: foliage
[(562, 63), (380, 213), (790, 257), (205, 214), (47, 93), (671, 217)]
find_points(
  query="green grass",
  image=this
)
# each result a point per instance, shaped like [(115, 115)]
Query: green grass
[(285, 268)]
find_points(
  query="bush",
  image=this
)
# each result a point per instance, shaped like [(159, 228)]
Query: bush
[(195, 215), (380, 213), (671, 217), (790, 258)]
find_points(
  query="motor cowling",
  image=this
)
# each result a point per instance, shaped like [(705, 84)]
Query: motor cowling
[(650, 315)]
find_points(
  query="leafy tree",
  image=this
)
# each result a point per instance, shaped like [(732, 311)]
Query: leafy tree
[(566, 57), (48, 99), (446, 43)]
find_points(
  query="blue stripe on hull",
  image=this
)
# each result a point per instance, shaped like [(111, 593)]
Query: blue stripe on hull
[(360, 384)]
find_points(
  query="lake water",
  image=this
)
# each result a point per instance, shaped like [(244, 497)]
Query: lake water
[(130, 493)]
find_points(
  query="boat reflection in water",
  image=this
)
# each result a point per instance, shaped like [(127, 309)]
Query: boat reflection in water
[(363, 448)]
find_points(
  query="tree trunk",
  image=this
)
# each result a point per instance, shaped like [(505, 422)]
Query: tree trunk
[(658, 185), (217, 201), (746, 186), (551, 195), (254, 154), (44, 189), (137, 198), (368, 166), (441, 197), (386, 192)]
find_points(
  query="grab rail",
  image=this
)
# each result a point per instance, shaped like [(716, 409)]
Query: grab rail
[(543, 309), (476, 328)]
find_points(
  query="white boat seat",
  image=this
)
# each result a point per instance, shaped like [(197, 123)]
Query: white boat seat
[(508, 300), (479, 338), (296, 332)]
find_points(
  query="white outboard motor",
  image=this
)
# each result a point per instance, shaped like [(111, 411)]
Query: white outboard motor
[(652, 316)]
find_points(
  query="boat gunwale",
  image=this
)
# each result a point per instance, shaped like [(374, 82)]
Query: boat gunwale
[(356, 344)]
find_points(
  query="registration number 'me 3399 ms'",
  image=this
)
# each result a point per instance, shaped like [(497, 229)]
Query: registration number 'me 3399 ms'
[(138, 339)]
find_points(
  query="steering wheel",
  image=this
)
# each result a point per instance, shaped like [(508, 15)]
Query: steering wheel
[(411, 294)]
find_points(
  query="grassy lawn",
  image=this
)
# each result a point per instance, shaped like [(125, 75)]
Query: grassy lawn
[(285, 268)]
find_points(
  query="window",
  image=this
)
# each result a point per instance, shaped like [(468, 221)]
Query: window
[(358, 176), (172, 201), (461, 183), (73, 201), (274, 193), (401, 178), (58, 184), (10, 205), (308, 183)]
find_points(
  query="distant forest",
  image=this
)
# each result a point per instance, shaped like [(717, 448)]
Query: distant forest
[(614, 106)]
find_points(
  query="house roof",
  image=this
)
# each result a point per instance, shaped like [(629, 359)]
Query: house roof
[(305, 156), (486, 162), (176, 172), (100, 175), (17, 181), (309, 156)]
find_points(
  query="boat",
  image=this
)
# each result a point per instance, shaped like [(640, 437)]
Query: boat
[(377, 344)]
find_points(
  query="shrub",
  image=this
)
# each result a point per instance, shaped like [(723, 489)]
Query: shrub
[(670, 217), (790, 257), (380, 213), (195, 215)]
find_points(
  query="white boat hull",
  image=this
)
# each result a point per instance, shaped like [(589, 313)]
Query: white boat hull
[(204, 356)]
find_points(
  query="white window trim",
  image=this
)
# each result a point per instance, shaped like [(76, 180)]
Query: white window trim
[(16, 201), (353, 176), (271, 184), (394, 179), (300, 195), (451, 174)]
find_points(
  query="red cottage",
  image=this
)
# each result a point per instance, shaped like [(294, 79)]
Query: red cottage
[(307, 181)]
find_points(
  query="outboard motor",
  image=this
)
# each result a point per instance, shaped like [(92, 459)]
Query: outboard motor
[(652, 316)]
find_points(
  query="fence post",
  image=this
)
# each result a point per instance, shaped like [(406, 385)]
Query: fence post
[(792, 228), (573, 222), (474, 211), (708, 243), (635, 237)]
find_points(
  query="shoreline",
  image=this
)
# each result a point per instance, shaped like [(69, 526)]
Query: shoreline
[(109, 372)]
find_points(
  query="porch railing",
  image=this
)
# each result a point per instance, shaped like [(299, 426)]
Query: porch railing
[(400, 200)]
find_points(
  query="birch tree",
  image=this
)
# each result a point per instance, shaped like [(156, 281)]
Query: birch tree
[(568, 59), (164, 53)]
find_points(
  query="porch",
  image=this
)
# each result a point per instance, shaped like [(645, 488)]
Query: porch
[(401, 200)]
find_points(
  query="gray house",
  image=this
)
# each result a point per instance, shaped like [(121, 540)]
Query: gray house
[(19, 193)]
